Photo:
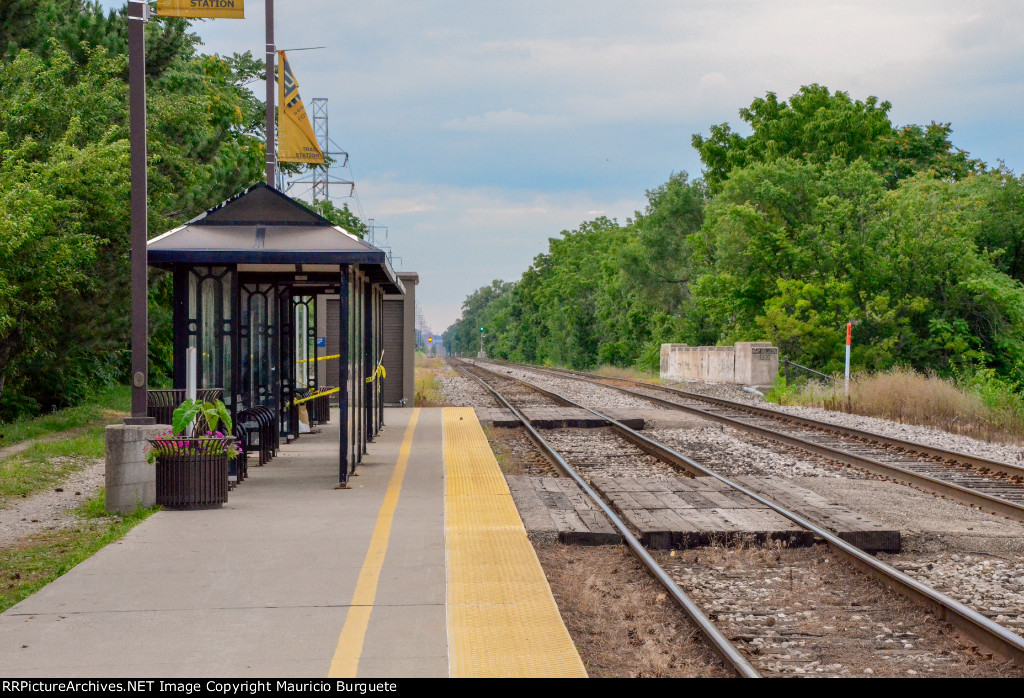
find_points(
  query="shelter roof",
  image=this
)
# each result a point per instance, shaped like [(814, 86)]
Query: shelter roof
[(261, 225)]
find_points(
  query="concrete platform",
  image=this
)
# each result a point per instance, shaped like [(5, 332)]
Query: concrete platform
[(261, 587), (291, 578)]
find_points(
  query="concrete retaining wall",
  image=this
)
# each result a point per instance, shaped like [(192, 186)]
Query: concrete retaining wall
[(745, 363)]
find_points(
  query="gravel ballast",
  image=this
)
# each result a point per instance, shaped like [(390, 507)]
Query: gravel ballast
[(930, 436), (53, 509), (970, 555)]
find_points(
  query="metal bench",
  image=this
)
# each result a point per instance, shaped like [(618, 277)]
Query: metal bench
[(161, 403), (259, 432)]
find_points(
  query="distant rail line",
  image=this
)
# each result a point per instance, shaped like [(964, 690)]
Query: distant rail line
[(990, 485), (964, 619)]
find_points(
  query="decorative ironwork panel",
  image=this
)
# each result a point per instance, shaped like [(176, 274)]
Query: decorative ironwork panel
[(260, 331), (305, 340), (288, 415), (209, 326)]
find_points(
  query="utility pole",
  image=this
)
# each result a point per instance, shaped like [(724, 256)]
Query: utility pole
[(271, 57), (138, 15)]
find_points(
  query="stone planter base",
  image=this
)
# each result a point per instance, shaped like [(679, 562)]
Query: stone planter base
[(130, 481), (191, 482)]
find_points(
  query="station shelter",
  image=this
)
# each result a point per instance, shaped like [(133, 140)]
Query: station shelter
[(252, 277)]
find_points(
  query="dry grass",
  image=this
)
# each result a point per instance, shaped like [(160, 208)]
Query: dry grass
[(620, 619), (627, 374), (508, 463), (427, 392), (909, 397)]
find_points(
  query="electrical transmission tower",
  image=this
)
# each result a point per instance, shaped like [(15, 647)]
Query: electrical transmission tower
[(320, 187), (320, 177)]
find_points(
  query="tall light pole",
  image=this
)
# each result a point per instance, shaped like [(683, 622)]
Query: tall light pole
[(138, 15), (271, 56)]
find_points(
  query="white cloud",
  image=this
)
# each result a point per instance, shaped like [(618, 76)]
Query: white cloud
[(473, 235), (504, 120)]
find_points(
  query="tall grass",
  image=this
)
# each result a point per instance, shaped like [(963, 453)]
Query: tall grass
[(632, 374), (427, 390), (104, 407), (980, 406)]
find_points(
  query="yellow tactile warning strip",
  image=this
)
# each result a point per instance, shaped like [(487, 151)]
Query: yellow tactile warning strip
[(502, 619), (350, 643)]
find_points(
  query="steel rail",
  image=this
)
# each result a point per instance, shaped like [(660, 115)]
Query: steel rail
[(729, 653), (966, 495), (967, 621)]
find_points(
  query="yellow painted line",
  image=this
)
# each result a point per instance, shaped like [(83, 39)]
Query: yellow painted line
[(502, 618), (350, 643)]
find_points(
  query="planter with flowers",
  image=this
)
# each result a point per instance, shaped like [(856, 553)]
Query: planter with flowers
[(192, 469)]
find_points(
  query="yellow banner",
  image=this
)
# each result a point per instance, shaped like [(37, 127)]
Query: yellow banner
[(295, 139), (211, 9)]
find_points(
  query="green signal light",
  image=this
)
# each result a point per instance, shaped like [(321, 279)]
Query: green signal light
[(481, 329)]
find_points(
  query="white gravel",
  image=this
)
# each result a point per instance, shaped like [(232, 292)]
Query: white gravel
[(732, 453), (53, 509), (930, 436), (993, 586), (460, 391), (586, 393)]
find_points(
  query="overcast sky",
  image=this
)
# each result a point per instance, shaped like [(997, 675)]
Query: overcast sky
[(477, 130)]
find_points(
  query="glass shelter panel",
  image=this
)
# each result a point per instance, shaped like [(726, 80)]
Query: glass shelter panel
[(260, 331), (305, 341), (210, 325), (289, 419)]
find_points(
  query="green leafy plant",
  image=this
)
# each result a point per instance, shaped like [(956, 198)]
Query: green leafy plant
[(175, 442), (214, 413)]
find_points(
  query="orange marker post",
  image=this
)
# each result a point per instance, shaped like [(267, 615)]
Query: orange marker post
[(849, 335)]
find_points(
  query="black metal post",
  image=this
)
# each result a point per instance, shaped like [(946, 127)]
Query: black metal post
[(357, 370), (344, 425), (181, 329), (138, 12), (236, 346), (380, 346), (271, 87), (370, 363)]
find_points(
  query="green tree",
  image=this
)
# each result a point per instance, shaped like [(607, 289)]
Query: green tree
[(658, 257), (342, 217), (45, 257), (205, 143), (817, 126)]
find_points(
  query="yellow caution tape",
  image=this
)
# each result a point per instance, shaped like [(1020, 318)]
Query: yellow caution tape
[(379, 371), (314, 396), (319, 358)]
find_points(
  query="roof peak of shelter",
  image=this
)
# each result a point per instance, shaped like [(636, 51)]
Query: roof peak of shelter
[(260, 204)]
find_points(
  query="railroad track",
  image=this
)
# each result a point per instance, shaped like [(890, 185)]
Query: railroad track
[(990, 485), (966, 621)]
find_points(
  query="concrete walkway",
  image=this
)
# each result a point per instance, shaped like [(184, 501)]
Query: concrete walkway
[(262, 587)]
